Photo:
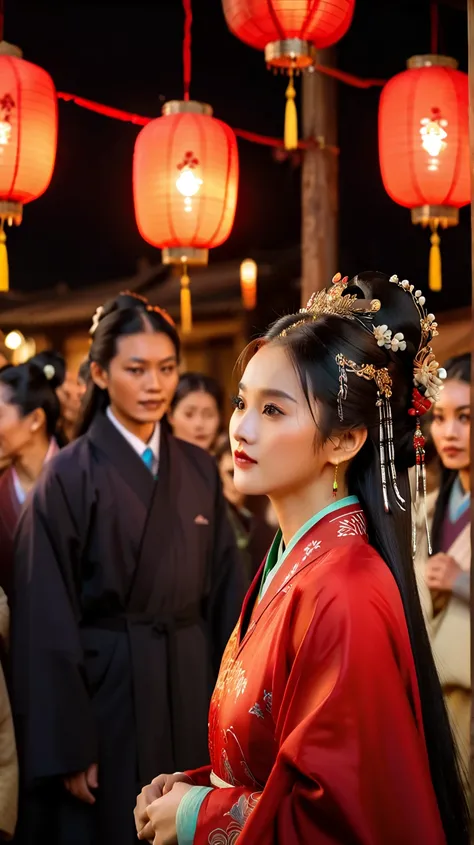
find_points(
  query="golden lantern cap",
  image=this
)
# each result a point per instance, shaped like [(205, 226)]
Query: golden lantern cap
[(7, 49), (290, 53), (431, 60), (186, 107)]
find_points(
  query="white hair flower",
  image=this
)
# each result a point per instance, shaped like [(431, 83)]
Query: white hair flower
[(383, 336), (49, 371), (429, 375), (96, 319)]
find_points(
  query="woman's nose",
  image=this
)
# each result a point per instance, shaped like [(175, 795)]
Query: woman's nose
[(246, 430)]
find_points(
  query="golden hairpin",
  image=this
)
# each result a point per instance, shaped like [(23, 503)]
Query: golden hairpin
[(334, 302)]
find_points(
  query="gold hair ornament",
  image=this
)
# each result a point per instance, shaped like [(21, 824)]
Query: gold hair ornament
[(335, 303)]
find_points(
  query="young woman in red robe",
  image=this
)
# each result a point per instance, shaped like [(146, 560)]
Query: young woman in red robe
[(327, 725)]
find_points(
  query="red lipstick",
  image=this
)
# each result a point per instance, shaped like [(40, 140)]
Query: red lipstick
[(242, 460)]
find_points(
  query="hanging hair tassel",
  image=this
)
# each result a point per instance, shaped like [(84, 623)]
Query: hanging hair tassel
[(186, 311), (291, 117), (4, 286), (419, 444), (435, 260)]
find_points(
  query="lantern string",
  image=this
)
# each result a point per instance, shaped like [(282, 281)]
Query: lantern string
[(107, 111), (140, 120), (188, 19), (2, 19)]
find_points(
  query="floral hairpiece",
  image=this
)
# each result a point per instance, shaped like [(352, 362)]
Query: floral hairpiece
[(383, 336), (334, 302), (427, 374), (383, 383), (96, 319), (428, 382), (140, 300)]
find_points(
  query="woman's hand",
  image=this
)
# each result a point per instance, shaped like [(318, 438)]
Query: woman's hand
[(80, 785), (156, 789), (162, 815), (441, 572)]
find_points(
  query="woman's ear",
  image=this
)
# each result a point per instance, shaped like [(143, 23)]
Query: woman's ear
[(37, 419), (346, 446), (99, 376)]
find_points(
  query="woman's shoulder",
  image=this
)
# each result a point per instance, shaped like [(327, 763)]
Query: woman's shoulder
[(352, 590), (354, 577)]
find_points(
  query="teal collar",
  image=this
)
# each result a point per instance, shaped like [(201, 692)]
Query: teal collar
[(278, 554)]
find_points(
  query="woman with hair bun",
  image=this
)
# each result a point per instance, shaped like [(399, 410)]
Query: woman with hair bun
[(29, 412), (327, 725), (126, 592)]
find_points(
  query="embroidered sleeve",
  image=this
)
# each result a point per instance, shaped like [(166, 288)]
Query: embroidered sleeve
[(187, 815)]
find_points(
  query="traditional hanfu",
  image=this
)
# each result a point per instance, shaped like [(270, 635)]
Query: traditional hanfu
[(127, 589), (316, 733), (448, 615)]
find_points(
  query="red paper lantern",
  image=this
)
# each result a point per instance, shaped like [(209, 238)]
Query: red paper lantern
[(185, 180), (289, 31), (28, 136), (271, 25), (424, 145)]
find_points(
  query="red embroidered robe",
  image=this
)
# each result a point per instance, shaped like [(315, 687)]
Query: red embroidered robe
[(316, 721)]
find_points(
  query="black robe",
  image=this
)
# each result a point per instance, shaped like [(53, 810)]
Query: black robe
[(126, 592)]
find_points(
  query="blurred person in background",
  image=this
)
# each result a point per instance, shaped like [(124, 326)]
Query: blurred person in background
[(70, 395), (5, 354), (444, 577), (127, 589), (196, 410), (83, 377), (29, 412), (5, 360), (253, 534)]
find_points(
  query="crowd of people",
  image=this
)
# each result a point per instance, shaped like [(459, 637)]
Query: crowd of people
[(171, 670)]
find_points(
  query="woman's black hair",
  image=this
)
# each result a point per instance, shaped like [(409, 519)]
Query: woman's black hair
[(33, 385), (312, 347), (194, 383), (457, 369), (84, 372), (127, 314)]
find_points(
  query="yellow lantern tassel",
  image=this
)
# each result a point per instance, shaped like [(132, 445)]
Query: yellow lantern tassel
[(186, 310), (291, 117), (435, 261), (4, 286)]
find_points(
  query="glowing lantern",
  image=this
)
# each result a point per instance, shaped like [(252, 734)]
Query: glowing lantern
[(28, 135), (185, 179), (424, 145), (289, 31), (248, 283)]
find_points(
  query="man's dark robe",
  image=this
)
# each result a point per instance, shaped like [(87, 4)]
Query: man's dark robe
[(126, 592)]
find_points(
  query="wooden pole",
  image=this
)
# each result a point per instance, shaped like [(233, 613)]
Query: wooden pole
[(471, 132), (319, 190)]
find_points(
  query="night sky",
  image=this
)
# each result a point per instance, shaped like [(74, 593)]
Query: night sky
[(130, 56)]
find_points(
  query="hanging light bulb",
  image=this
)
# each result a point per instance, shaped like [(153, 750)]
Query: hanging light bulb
[(433, 137), (248, 283), (188, 183)]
